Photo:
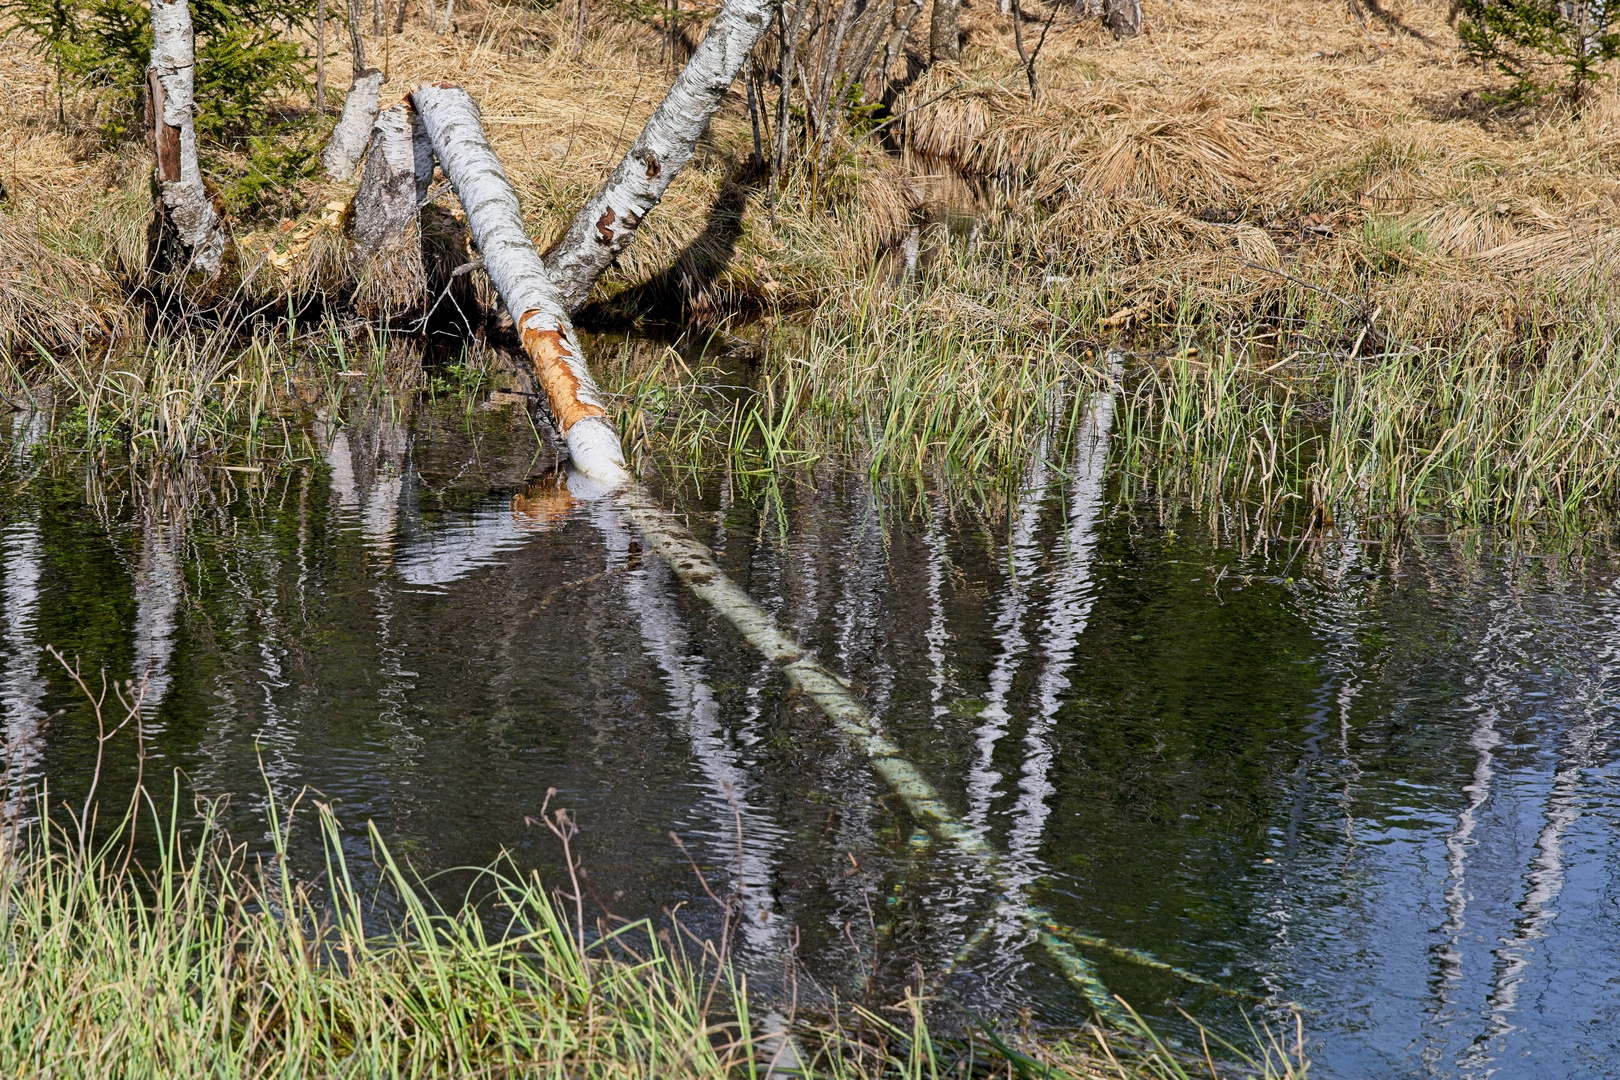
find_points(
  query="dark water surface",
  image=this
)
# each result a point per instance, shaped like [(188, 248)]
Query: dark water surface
[(1379, 783)]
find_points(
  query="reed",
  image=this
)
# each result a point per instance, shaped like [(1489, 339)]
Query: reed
[(157, 948)]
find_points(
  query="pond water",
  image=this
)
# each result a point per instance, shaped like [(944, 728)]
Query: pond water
[(1379, 782)]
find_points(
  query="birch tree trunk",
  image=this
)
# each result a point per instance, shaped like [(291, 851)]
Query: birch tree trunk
[(353, 131), (945, 31), (539, 315), (188, 212), (897, 42), (385, 247), (348, 141), (606, 225)]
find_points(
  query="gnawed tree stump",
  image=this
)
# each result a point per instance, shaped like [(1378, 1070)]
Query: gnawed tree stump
[(188, 233), (385, 238)]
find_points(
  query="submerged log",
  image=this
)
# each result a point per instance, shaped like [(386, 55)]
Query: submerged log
[(187, 213), (608, 222), (452, 122)]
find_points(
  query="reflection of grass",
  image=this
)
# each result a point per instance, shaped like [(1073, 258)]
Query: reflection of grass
[(202, 963)]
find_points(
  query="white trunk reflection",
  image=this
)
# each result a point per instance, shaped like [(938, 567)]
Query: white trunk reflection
[(1023, 556), (22, 687), (751, 857)]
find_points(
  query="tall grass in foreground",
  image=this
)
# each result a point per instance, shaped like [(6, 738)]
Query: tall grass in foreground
[(197, 961)]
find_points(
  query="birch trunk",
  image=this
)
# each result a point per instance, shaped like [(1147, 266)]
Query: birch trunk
[(188, 211), (892, 48), (348, 141), (349, 138), (606, 225), (945, 31), (539, 315), (384, 245)]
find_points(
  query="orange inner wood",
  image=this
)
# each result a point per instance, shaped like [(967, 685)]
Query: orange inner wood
[(550, 355)]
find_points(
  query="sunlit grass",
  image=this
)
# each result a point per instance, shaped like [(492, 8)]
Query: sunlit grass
[(163, 951)]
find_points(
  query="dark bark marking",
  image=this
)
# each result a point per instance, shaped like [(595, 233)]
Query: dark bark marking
[(604, 230), (164, 136), (653, 168)]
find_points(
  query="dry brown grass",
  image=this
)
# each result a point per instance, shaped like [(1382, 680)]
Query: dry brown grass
[(1355, 157), (1253, 134)]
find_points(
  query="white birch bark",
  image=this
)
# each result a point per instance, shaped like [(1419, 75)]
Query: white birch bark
[(606, 225), (22, 684), (171, 107), (398, 169), (159, 588), (348, 141), (451, 120)]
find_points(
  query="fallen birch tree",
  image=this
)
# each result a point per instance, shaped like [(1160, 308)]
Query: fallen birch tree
[(451, 121), (607, 223), (186, 212)]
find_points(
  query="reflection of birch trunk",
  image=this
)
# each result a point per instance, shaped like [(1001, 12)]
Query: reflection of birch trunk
[(366, 463), (186, 210), (939, 634), (22, 687), (1068, 611), (607, 223), (1023, 554), (1585, 747), (159, 586), (694, 564), (693, 707), (1483, 740)]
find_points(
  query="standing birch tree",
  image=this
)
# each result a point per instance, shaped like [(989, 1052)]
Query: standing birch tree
[(186, 213)]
